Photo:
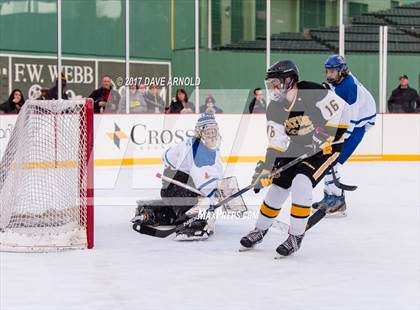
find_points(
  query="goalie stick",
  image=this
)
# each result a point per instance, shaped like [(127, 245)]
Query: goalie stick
[(180, 184), (160, 233)]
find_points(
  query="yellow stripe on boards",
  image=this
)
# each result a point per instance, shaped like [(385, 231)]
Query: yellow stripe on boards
[(386, 157), (59, 164), (227, 159), (249, 159), (127, 162)]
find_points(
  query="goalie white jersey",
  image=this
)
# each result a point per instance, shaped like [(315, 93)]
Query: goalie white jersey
[(201, 163)]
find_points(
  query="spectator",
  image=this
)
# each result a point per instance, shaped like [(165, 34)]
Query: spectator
[(210, 103), (53, 92), (258, 104), (154, 101), (180, 103), (142, 90), (137, 102), (105, 99), (404, 99), (44, 94), (14, 103)]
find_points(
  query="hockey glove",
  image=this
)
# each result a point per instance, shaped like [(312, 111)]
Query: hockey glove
[(263, 181), (322, 141)]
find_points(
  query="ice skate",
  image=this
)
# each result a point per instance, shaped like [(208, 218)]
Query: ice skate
[(254, 237), (337, 207), (290, 246)]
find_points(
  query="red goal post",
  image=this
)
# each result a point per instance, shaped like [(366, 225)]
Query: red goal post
[(46, 178)]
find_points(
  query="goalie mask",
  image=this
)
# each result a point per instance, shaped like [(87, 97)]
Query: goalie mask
[(207, 130), (280, 78)]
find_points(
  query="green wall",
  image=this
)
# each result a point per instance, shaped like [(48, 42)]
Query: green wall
[(97, 28), (233, 70), (184, 24)]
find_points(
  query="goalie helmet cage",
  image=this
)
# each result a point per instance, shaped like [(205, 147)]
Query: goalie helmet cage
[(46, 178)]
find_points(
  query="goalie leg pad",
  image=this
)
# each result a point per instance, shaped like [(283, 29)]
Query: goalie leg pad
[(197, 230)]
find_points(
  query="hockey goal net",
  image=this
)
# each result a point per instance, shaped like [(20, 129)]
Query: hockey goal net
[(46, 178)]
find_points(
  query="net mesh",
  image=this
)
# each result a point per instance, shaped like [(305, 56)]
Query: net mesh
[(44, 178)]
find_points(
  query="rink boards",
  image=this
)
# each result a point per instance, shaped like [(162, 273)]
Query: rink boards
[(139, 139)]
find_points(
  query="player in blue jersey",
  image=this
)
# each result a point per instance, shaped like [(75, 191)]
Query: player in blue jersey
[(363, 115)]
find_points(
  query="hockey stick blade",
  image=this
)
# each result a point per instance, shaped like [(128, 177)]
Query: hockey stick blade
[(315, 218), (342, 186)]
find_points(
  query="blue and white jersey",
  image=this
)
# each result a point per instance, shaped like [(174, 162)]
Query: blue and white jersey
[(202, 164), (361, 103)]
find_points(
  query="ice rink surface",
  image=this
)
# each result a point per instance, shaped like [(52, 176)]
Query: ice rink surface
[(368, 260)]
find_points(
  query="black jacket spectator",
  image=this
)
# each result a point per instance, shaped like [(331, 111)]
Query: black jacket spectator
[(44, 94), (258, 104), (210, 103), (52, 93), (106, 100), (14, 103), (404, 100), (180, 104), (110, 96)]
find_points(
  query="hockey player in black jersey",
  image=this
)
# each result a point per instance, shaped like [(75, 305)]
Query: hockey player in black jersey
[(302, 117)]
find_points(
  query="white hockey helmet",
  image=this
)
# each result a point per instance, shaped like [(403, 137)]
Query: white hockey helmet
[(207, 130)]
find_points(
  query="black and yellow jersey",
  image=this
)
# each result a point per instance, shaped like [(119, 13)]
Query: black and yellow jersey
[(291, 125)]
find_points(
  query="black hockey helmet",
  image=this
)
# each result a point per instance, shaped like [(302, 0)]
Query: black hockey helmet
[(283, 69), (280, 78)]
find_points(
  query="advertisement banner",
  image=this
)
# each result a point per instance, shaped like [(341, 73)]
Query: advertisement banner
[(126, 140), (31, 74), (141, 139)]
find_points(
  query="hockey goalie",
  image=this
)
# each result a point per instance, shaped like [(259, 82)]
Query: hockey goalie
[(192, 181)]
